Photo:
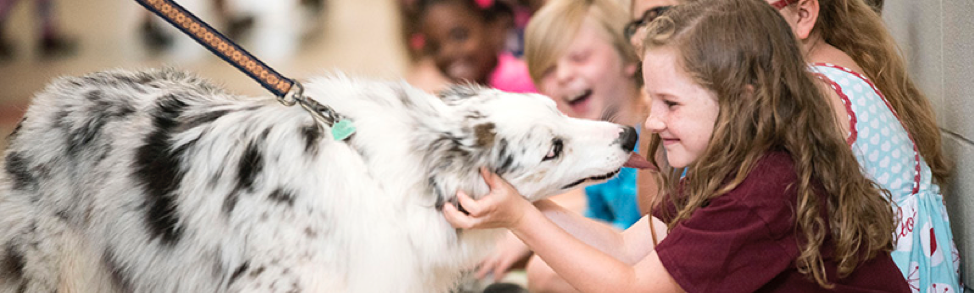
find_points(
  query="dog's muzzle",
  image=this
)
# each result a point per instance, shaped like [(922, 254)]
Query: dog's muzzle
[(627, 139)]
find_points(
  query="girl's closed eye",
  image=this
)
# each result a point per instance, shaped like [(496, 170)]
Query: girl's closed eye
[(670, 103), (579, 56)]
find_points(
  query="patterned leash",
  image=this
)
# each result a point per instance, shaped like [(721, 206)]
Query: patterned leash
[(288, 91)]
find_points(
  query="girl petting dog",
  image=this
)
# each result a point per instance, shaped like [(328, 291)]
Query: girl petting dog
[(773, 199)]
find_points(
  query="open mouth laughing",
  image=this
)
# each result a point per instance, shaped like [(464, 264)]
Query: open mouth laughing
[(579, 97)]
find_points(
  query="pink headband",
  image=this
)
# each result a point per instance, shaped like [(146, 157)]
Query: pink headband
[(484, 4)]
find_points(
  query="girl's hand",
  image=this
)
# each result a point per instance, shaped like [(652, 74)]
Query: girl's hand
[(510, 251), (503, 207)]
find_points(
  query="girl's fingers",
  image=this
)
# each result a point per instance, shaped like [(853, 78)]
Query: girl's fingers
[(492, 179), (486, 267), (500, 270), (456, 218), (497, 185), (472, 207)]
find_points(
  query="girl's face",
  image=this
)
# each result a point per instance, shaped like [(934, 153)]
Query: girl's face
[(682, 112), (591, 78), (462, 44)]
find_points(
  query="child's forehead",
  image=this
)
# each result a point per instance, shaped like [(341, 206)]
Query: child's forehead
[(660, 56), (456, 8), (448, 14)]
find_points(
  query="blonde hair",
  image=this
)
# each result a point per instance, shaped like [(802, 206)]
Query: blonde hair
[(552, 29), (855, 28), (745, 53)]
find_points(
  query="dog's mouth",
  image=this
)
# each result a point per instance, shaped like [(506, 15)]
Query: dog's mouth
[(593, 178)]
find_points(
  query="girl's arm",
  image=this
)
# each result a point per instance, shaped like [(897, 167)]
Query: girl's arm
[(585, 267), (629, 246)]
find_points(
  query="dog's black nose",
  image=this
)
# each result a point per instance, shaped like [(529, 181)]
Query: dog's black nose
[(627, 139)]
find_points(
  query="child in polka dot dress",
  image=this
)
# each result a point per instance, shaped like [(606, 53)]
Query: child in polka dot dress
[(890, 126), (925, 245)]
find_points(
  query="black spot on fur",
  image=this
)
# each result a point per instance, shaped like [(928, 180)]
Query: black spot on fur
[(440, 197), (506, 159), (95, 95), (404, 97), (12, 263), (282, 196), (251, 164), (474, 115), (62, 214), (16, 128), (312, 134), (120, 278), (205, 118), (505, 166), (459, 92), (102, 111), (256, 273), (158, 168), (104, 153), (239, 271), (18, 168), (451, 143), (311, 233)]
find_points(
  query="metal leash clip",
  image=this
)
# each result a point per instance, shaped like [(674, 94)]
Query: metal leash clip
[(341, 128)]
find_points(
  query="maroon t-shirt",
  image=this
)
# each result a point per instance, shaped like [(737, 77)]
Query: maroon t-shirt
[(746, 241)]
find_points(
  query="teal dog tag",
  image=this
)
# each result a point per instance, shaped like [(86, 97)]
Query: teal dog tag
[(342, 130)]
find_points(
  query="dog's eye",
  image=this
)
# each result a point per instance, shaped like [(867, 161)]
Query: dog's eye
[(555, 150)]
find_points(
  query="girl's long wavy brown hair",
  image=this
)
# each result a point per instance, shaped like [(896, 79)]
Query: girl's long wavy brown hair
[(745, 53), (855, 28)]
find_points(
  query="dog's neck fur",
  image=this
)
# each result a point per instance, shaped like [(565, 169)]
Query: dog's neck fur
[(446, 170)]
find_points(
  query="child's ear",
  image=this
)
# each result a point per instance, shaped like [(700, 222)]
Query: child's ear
[(807, 17), (631, 69)]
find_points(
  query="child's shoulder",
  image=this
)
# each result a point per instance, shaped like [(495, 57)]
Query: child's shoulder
[(774, 164), (772, 175)]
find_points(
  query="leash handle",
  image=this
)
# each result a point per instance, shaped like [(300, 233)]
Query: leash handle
[(223, 47)]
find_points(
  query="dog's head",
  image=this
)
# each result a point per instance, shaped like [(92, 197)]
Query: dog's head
[(524, 139)]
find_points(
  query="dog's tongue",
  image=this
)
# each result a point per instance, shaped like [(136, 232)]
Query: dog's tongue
[(637, 161)]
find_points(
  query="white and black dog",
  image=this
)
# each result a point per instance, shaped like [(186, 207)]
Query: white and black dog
[(157, 181)]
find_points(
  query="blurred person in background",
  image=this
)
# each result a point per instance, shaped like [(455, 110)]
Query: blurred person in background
[(456, 41), (50, 41), (578, 56)]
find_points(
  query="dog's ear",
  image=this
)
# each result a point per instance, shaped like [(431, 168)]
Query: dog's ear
[(453, 160)]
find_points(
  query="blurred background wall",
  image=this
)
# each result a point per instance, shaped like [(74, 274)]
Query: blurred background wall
[(937, 37)]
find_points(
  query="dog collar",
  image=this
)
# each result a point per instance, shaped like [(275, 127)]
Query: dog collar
[(288, 91)]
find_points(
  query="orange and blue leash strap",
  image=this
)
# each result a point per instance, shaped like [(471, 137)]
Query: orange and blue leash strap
[(288, 91)]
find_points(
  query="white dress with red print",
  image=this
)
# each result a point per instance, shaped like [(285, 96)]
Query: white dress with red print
[(925, 250)]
